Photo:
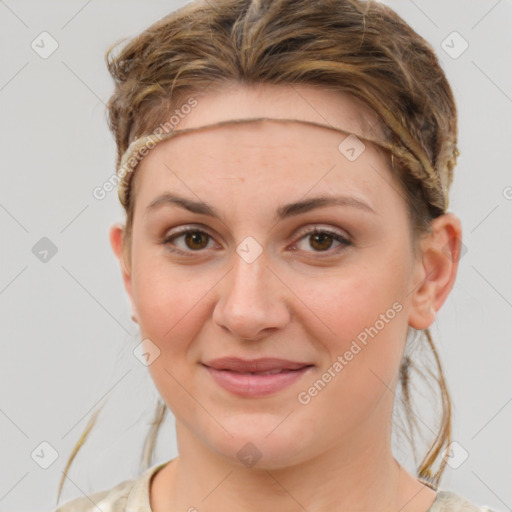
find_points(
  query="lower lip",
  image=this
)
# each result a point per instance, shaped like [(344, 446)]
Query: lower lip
[(253, 385)]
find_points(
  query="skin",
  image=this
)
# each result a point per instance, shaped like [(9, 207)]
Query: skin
[(295, 301)]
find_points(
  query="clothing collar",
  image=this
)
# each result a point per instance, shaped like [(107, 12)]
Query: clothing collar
[(138, 498)]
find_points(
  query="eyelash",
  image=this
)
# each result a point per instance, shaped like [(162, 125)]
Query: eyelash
[(334, 234)]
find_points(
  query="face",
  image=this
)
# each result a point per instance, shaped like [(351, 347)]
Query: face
[(325, 287)]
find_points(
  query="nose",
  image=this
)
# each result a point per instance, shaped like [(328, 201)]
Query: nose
[(252, 300)]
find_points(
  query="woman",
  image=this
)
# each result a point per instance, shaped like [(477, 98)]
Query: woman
[(285, 169)]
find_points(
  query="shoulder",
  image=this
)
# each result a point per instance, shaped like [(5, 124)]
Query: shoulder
[(448, 501), (129, 495), (109, 500)]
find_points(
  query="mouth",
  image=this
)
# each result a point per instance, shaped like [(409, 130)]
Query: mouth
[(268, 372), (255, 378), (261, 365)]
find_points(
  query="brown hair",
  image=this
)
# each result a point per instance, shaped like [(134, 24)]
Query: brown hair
[(361, 48)]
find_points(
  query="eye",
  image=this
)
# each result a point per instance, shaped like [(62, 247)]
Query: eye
[(196, 240), (193, 240), (322, 239)]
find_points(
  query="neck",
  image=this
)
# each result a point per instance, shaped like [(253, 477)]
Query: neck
[(361, 475)]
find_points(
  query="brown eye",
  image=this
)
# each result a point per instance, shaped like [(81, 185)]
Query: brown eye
[(196, 240), (322, 240), (187, 241)]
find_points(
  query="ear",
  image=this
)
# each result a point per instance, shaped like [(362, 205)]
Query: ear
[(436, 272), (117, 242)]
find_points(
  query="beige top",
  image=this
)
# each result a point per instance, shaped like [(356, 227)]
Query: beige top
[(133, 496)]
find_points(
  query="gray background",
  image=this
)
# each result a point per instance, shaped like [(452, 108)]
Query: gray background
[(66, 333)]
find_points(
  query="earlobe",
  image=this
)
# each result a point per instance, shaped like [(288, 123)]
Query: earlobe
[(437, 270)]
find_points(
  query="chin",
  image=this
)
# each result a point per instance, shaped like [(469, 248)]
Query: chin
[(263, 446)]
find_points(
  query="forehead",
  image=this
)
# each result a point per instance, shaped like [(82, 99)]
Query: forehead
[(258, 164), (291, 154), (231, 101), (261, 139)]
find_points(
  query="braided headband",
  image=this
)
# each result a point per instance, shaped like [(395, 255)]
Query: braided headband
[(436, 184)]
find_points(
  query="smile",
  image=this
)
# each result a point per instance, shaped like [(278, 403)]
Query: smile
[(258, 382)]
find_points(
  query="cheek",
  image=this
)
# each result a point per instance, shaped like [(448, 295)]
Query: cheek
[(367, 330), (171, 309), (362, 314), (353, 299), (168, 300)]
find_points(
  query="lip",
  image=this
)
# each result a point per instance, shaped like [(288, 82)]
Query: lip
[(232, 374), (263, 364)]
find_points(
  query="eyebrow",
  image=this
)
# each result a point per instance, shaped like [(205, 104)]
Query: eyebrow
[(287, 210)]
